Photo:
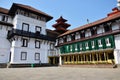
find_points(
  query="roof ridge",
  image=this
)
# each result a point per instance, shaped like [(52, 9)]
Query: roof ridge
[(4, 10), (23, 5), (92, 24)]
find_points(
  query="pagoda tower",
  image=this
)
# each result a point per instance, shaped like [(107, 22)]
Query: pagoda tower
[(61, 25)]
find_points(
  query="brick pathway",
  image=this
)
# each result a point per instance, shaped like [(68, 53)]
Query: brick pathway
[(59, 73)]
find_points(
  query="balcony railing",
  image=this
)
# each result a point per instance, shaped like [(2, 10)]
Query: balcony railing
[(18, 32)]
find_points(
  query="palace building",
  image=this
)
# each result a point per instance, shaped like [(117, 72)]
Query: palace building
[(26, 41), (24, 38), (94, 43)]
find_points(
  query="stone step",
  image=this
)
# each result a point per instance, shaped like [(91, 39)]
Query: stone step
[(29, 65), (91, 66)]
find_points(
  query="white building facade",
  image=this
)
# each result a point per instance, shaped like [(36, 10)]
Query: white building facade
[(23, 35)]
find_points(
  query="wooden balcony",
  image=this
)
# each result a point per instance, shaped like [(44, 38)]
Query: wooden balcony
[(18, 32), (112, 32)]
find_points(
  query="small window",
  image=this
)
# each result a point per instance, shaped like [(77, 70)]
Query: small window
[(37, 56), (99, 43), (23, 55), (76, 48), (37, 44), (68, 38), (80, 46), (70, 47), (51, 46), (67, 48), (61, 40), (93, 44), (77, 36), (25, 27), (24, 42), (38, 29), (107, 42), (4, 18), (86, 45)]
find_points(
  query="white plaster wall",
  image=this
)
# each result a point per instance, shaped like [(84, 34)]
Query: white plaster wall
[(20, 19), (4, 45), (117, 56), (117, 48), (117, 41), (16, 50), (4, 55)]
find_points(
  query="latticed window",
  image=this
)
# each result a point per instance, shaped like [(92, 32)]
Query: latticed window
[(88, 33), (51, 46), (23, 55), (99, 43), (67, 48), (37, 56), (38, 29), (68, 38), (77, 36), (86, 45), (80, 46), (107, 40), (24, 42), (4, 18), (61, 40), (100, 29), (76, 48), (37, 44), (25, 27), (93, 44), (70, 47)]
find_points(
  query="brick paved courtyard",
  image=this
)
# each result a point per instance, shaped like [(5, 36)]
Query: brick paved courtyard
[(59, 73)]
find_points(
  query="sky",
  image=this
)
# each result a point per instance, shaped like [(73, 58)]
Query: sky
[(75, 11)]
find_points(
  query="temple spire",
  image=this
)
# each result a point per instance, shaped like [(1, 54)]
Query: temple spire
[(61, 25)]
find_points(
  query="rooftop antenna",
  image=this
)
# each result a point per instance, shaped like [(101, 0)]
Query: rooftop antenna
[(88, 21), (118, 4)]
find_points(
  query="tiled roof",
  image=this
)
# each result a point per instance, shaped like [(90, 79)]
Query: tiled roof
[(3, 10), (108, 18), (29, 8), (52, 33)]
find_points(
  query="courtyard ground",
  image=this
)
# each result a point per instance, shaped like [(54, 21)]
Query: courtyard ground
[(59, 73)]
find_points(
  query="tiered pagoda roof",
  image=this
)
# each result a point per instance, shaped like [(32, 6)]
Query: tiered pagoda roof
[(61, 25)]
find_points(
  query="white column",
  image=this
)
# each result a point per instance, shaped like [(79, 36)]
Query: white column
[(60, 61), (117, 56)]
